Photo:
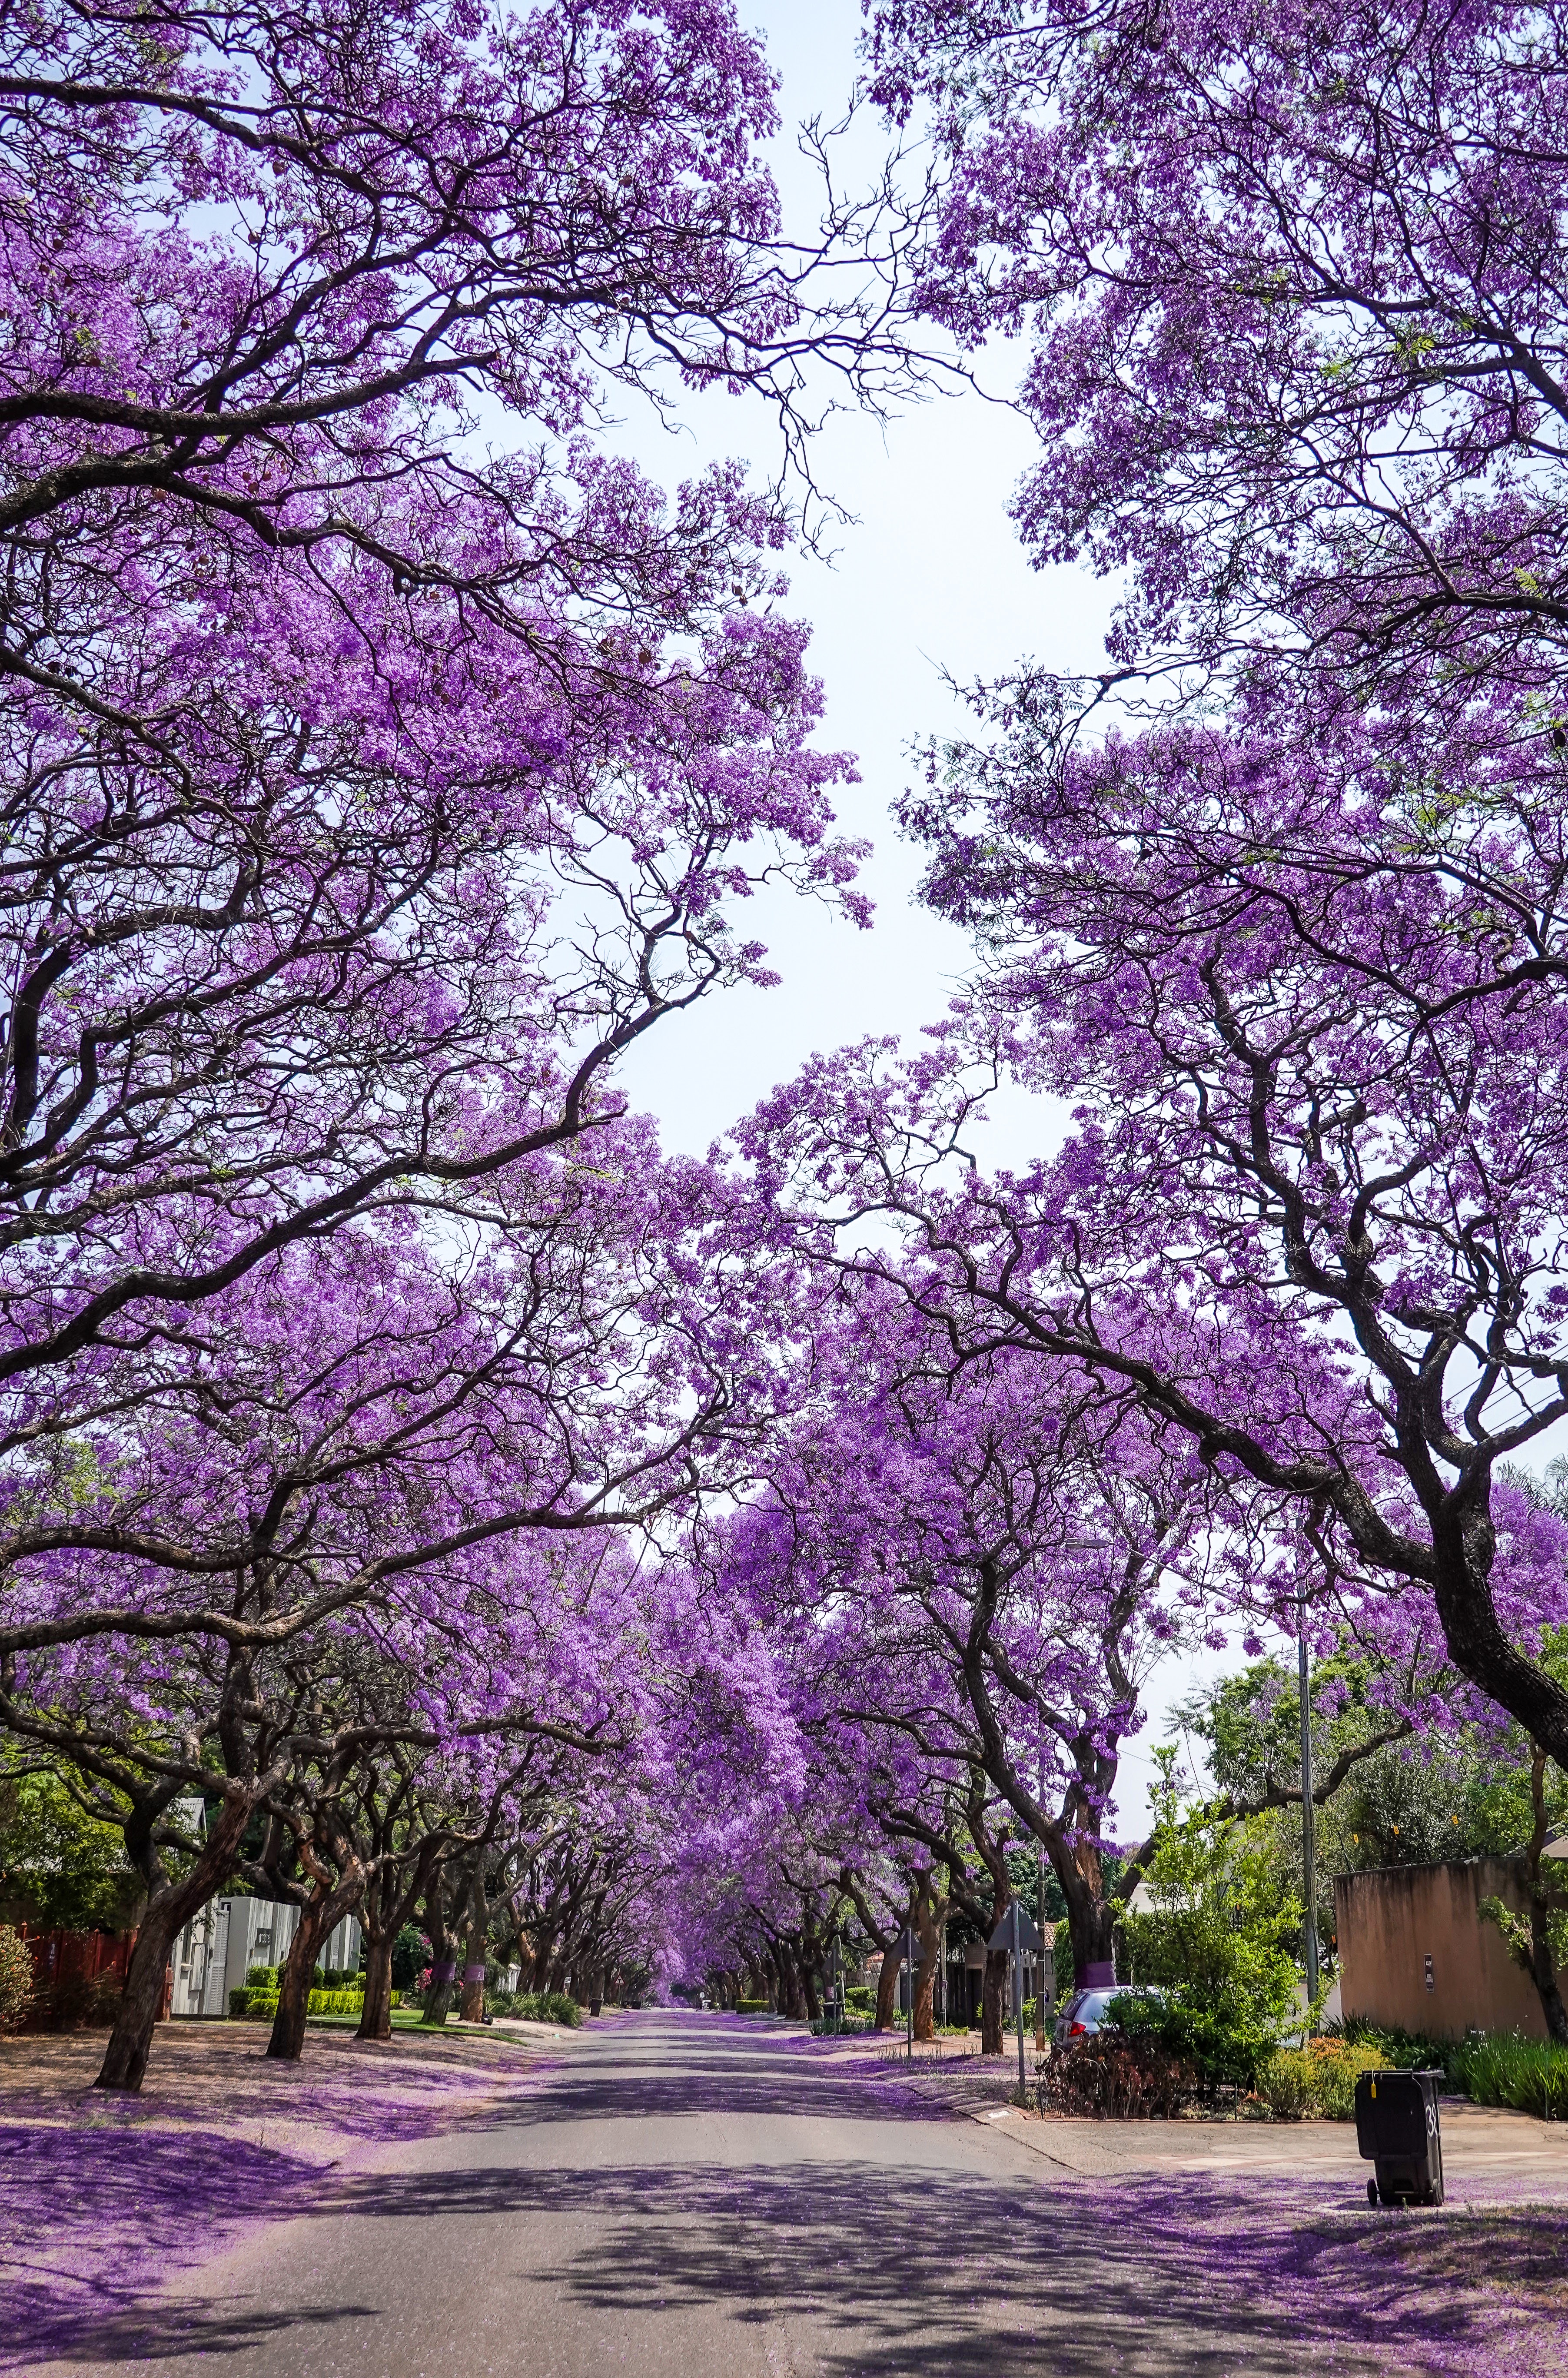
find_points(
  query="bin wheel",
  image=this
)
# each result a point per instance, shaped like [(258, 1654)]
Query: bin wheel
[(1371, 2191)]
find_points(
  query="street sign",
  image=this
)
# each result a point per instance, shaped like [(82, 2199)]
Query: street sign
[(1026, 1939)]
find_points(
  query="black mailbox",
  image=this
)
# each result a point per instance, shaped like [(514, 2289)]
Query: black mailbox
[(1396, 2129)]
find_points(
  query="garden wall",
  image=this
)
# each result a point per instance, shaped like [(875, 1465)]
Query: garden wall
[(1413, 1950)]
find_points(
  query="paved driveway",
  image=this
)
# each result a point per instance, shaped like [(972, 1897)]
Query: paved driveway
[(686, 2194)]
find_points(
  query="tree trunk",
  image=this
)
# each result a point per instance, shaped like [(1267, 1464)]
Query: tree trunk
[(470, 2006), (168, 1912), (318, 1917), (1092, 1925), (443, 1965), (993, 2003), (376, 2015), (813, 2002), (887, 1987), (926, 1922)]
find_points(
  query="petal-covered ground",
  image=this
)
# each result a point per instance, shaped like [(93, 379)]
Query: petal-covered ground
[(103, 2198), (706, 2195)]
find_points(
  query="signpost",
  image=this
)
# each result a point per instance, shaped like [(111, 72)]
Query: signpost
[(1015, 1933)]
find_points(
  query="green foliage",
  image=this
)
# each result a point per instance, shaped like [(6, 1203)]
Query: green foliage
[(15, 1979), (1515, 1931), (861, 1997), (1531, 2075), (757, 2006), (1217, 1945), (337, 2002), (68, 1866), (1411, 1803), (260, 2004), (1318, 2079), (1408, 2051), (1287, 2085), (411, 1954), (538, 2006), (1022, 1863)]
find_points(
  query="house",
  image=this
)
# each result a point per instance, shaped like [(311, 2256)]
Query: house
[(218, 1947)]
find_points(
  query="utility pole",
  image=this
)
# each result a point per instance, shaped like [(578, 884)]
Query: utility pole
[(1309, 1819), (1018, 1997), (1040, 1927)]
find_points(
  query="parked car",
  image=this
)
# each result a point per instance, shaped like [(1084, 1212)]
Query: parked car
[(1088, 2011)]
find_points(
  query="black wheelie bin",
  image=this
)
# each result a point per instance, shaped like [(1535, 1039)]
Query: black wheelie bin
[(1396, 2129)]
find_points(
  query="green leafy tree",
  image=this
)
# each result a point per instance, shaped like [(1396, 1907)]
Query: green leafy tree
[(1215, 1944), (59, 1858)]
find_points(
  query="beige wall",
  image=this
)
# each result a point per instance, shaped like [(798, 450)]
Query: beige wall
[(1392, 1919)]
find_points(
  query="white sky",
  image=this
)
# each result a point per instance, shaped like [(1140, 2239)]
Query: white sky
[(928, 579)]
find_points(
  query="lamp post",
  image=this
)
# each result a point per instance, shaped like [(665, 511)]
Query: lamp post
[(1309, 1820), (1018, 1997), (1040, 1927)]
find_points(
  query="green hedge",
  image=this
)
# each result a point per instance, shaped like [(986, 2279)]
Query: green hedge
[(261, 2005)]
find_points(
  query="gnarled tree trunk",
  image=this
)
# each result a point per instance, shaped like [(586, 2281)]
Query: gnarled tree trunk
[(993, 2003), (318, 1918), (376, 2015), (443, 1963), (471, 2005), (169, 1910), (887, 1987)]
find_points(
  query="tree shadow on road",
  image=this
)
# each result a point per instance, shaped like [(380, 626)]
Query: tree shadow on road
[(959, 2275)]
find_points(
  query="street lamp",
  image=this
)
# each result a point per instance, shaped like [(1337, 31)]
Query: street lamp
[(1308, 1822)]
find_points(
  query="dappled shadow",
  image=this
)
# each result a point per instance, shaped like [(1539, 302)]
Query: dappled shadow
[(89, 2219), (886, 2271), (909, 2251)]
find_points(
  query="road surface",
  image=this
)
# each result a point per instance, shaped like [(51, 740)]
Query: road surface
[(686, 2194)]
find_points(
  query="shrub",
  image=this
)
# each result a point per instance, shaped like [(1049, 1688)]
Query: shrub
[(860, 1996), (1218, 1946), (1531, 2075), (84, 1999), (337, 2002), (1409, 2051), (1112, 2075), (1338, 2064), (261, 1978), (549, 2006), (261, 2005), (410, 1955), (15, 1979), (1287, 2084), (754, 2006)]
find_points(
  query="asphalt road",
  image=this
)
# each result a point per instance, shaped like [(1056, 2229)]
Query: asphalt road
[(684, 2195)]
